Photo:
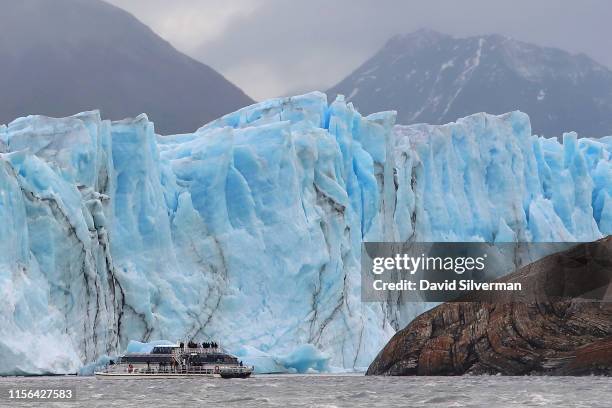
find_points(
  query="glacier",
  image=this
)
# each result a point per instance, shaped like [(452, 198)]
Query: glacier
[(249, 230)]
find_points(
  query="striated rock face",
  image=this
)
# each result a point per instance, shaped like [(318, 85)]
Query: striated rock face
[(564, 328)]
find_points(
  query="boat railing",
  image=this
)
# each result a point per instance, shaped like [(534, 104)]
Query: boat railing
[(199, 350), (166, 370)]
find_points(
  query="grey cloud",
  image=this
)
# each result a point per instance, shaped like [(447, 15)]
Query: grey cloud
[(275, 47)]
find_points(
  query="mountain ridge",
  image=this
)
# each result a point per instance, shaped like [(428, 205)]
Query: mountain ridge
[(77, 55), (435, 78)]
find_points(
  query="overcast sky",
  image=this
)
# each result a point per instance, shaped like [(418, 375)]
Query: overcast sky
[(280, 47)]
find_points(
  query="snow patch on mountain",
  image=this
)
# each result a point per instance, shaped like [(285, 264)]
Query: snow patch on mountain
[(428, 77)]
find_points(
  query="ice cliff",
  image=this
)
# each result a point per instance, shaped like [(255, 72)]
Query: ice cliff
[(249, 229)]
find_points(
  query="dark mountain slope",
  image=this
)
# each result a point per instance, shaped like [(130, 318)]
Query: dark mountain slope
[(65, 56), (435, 78)]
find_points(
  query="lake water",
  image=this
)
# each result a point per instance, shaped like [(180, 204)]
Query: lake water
[(325, 391)]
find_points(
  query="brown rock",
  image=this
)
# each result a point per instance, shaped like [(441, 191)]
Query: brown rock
[(562, 328)]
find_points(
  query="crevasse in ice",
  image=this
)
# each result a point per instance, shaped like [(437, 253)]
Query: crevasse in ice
[(249, 230)]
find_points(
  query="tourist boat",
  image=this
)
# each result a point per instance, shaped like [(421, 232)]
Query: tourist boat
[(177, 361)]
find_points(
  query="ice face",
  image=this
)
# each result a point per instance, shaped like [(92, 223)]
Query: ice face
[(57, 305), (486, 178), (248, 231), (304, 358)]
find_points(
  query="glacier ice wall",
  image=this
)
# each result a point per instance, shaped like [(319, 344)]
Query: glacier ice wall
[(248, 230), (487, 178)]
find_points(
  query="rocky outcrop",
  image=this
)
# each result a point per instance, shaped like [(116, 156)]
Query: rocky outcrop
[(562, 327)]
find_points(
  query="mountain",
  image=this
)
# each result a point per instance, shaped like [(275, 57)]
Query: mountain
[(65, 56), (434, 78)]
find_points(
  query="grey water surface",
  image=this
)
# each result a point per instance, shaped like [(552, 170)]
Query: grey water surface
[(323, 391)]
